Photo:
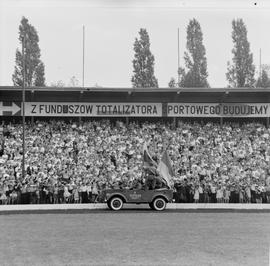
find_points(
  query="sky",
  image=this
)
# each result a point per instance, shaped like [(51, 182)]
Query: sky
[(111, 27)]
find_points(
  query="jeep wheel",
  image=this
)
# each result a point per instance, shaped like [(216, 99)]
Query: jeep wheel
[(109, 205), (116, 204), (151, 205), (159, 204)]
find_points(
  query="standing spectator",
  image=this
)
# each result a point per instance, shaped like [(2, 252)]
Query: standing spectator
[(24, 194), (258, 195), (67, 195), (232, 194), (248, 194), (50, 193), (89, 192), (227, 194), (207, 193), (201, 193), (267, 193), (253, 193), (241, 194), (237, 192), (61, 198), (37, 192), (3, 196), (196, 194), (219, 194), (213, 193), (84, 193), (13, 197), (76, 195), (94, 192), (55, 194)]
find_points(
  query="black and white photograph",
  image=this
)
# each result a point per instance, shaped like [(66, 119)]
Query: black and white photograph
[(134, 132)]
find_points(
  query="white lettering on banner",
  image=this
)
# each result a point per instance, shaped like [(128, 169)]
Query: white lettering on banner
[(218, 110), (93, 109)]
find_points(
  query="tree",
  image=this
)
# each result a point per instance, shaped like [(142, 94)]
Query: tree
[(266, 68), (34, 68), (181, 77), (58, 83), (172, 83), (97, 85), (73, 82), (143, 64), (39, 75), (195, 59), (263, 81), (241, 71)]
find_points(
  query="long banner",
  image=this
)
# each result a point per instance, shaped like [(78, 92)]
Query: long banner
[(70, 109), (93, 109)]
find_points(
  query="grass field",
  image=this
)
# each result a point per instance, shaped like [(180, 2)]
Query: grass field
[(135, 238)]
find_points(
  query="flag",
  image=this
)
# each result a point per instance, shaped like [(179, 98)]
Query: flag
[(147, 159), (165, 168)]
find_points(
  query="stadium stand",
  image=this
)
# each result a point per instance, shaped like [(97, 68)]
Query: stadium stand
[(67, 162), (73, 160)]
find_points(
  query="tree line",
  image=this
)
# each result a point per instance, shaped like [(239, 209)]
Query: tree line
[(240, 70)]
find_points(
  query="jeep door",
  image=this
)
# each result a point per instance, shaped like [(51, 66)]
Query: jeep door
[(139, 195)]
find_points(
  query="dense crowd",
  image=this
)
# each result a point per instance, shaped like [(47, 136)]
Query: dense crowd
[(74, 163)]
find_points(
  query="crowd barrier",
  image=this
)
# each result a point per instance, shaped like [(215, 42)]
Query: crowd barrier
[(103, 206)]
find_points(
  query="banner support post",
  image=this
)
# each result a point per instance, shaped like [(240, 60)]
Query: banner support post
[(221, 121)]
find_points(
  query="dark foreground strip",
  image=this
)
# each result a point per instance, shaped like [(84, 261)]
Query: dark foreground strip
[(74, 211)]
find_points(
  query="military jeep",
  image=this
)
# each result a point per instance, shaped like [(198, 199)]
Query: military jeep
[(157, 198)]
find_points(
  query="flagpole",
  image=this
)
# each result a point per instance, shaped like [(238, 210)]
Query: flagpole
[(23, 110)]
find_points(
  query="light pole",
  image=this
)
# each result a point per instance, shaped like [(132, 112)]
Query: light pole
[(260, 64), (178, 57), (83, 58), (23, 111)]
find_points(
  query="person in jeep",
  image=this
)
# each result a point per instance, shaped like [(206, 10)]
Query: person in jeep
[(152, 178)]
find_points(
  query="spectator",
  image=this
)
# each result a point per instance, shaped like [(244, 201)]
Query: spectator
[(219, 195), (196, 194)]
